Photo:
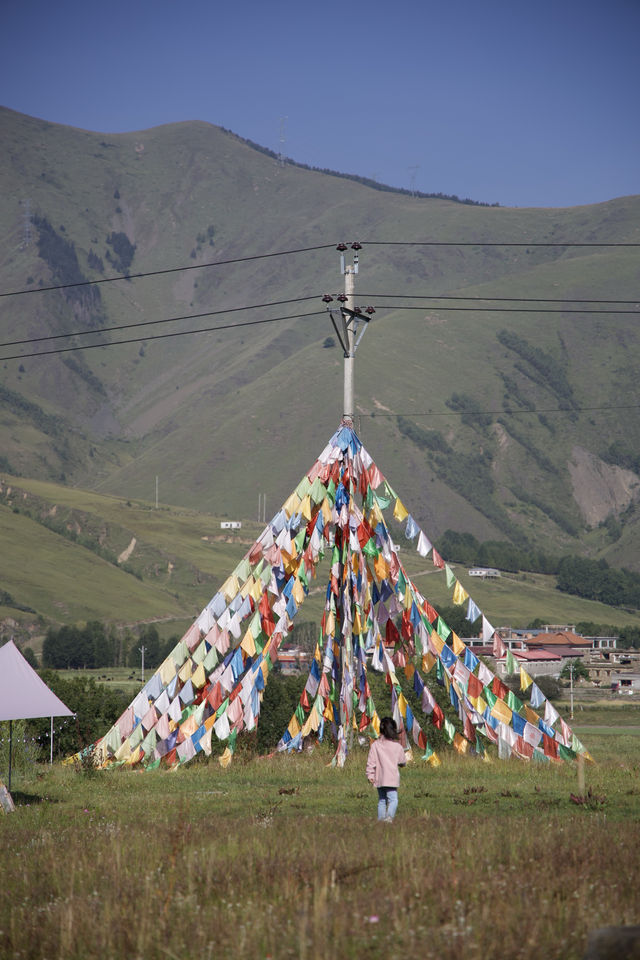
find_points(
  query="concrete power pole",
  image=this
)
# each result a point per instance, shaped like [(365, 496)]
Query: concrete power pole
[(349, 356)]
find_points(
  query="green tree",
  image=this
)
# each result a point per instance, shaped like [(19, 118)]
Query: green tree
[(580, 672)]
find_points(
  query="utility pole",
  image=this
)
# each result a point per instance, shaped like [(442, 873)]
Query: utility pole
[(350, 354), (571, 686), (346, 326), (142, 650)]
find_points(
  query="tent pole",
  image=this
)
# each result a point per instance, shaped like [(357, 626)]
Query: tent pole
[(51, 753), (10, 750)]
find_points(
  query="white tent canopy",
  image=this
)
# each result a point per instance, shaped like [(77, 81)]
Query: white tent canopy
[(23, 695)]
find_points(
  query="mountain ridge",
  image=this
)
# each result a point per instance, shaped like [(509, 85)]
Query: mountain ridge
[(222, 417)]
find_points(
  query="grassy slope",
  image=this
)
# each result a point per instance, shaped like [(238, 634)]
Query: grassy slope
[(66, 582), (223, 417)]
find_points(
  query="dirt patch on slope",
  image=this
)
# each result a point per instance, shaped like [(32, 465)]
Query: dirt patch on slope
[(600, 488)]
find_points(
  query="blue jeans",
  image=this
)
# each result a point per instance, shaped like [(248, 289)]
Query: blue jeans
[(387, 802)]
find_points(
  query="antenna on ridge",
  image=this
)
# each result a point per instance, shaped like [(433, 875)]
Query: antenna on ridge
[(412, 173), (281, 157)]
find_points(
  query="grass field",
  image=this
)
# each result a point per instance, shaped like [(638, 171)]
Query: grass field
[(283, 857)]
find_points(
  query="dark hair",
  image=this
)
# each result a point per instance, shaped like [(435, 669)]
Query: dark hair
[(389, 728)]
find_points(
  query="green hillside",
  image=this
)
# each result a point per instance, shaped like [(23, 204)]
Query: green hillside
[(73, 555), (222, 417)]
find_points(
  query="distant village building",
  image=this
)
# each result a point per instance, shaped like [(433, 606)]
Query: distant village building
[(292, 660), (545, 652), (484, 572), (230, 524)]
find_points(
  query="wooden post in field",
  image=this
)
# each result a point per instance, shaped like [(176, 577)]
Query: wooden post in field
[(580, 775)]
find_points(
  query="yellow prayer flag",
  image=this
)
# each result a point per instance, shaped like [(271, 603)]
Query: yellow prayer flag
[(375, 723), (457, 644), (305, 507), (185, 671), (428, 661), (291, 505), (400, 512), (230, 587), (375, 515), (531, 715), (123, 751), (460, 743), (167, 671), (501, 711), (257, 590), (298, 591), (381, 567), (326, 511), (409, 670), (199, 677), (525, 679), (294, 726), (248, 644), (434, 760), (225, 759), (459, 594), (134, 757), (437, 641), (402, 704)]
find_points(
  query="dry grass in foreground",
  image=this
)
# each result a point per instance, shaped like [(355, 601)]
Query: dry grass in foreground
[(283, 858)]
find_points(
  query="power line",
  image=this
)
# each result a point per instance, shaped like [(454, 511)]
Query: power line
[(431, 296), (146, 323), (274, 303), (404, 306), (375, 414), (158, 273), (162, 336), (495, 243), (322, 246)]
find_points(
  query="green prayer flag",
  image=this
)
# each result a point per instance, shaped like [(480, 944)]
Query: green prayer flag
[(489, 696), (303, 488), (512, 702), (370, 549)]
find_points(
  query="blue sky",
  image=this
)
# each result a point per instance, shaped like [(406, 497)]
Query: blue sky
[(521, 103)]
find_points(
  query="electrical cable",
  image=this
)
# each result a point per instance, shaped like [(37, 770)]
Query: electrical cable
[(496, 243), (401, 306), (158, 273), (322, 246), (147, 323), (375, 414), (161, 336), (432, 296)]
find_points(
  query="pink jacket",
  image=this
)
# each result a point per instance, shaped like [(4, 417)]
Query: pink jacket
[(385, 756)]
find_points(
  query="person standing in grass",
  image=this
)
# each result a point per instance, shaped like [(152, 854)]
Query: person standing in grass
[(385, 757)]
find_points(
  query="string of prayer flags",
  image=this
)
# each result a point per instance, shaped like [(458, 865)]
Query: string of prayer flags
[(213, 681)]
